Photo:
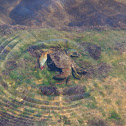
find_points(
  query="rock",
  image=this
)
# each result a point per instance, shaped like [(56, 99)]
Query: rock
[(49, 90), (94, 51), (75, 93), (75, 90), (103, 69), (10, 65), (5, 85), (97, 122), (99, 71), (58, 60), (34, 51), (5, 73), (78, 97)]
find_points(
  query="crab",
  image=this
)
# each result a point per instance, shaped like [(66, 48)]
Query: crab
[(60, 60)]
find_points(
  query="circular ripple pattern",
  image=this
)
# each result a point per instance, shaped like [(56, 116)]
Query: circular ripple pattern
[(21, 102)]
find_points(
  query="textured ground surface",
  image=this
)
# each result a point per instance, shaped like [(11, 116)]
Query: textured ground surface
[(60, 13), (98, 98)]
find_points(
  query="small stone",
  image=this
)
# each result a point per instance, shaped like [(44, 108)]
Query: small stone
[(5, 85), (75, 90), (94, 51), (49, 90)]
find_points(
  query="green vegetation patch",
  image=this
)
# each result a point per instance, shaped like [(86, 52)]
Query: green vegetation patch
[(114, 116)]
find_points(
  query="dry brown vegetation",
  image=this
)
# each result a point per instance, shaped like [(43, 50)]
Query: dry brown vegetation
[(60, 13), (101, 102), (31, 97)]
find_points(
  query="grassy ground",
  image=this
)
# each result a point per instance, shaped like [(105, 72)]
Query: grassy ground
[(21, 78)]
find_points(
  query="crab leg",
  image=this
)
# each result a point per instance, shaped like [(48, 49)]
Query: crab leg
[(64, 74), (75, 74)]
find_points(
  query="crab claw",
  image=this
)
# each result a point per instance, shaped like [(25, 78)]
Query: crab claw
[(42, 67)]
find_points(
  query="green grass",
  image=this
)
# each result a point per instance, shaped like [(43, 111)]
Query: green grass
[(114, 116), (91, 105), (26, 73)]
